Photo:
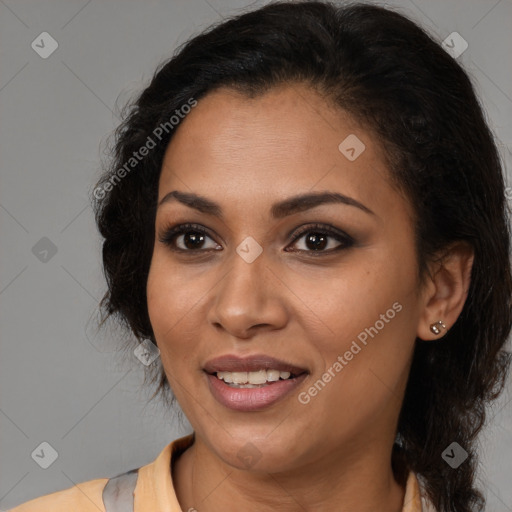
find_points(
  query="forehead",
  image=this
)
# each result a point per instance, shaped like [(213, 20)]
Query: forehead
[(286, 141), (290, 120)]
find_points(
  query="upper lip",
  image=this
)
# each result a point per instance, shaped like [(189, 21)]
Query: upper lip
[(233, 363)]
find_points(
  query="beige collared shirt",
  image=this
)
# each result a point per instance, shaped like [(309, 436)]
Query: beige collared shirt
[(154, 491)]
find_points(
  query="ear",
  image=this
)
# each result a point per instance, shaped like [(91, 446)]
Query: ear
[(446, 289)]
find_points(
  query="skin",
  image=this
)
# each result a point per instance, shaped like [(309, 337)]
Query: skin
[(333, 453)]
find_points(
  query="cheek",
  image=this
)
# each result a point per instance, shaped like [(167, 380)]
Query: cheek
[(370, 316), (356, 294), (170, 299), (168, 305), (362, 368)]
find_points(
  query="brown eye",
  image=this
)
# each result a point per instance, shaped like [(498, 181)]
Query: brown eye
[(322, 239), (188, 238), (192, 240), (316, 241)]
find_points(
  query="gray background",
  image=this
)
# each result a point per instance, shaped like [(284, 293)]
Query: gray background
[(61, 382)]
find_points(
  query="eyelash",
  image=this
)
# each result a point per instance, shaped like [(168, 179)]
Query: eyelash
[(169, 235)]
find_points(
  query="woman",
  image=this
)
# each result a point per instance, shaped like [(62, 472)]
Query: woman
[(305, 212)]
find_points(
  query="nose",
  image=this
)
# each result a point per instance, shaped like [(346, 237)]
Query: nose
[(248, 299)]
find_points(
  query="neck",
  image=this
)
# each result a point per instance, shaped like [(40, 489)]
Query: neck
[(364, 483)]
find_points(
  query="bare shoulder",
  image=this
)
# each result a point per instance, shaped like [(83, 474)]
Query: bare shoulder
[(82, 497)]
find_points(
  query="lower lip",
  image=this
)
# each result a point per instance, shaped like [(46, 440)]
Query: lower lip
[(252, 399)]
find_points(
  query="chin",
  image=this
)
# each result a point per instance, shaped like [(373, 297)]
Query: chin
[(254, 451)]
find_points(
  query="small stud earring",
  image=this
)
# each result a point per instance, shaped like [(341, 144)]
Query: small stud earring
[(437, 326)]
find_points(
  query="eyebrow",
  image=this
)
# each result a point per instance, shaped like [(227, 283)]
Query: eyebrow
[(278, 210)]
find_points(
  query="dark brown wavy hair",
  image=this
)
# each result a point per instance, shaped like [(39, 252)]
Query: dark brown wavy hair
[(398, 82)]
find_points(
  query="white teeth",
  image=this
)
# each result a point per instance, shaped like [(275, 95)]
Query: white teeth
[(252, 378), (225, 376), (259, 377), (239, 377), (273, 375)]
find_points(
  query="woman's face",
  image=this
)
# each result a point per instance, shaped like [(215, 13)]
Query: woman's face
[(325, 287)]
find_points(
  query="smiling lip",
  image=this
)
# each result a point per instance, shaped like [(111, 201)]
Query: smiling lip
[(232, 363), (251, 399)]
